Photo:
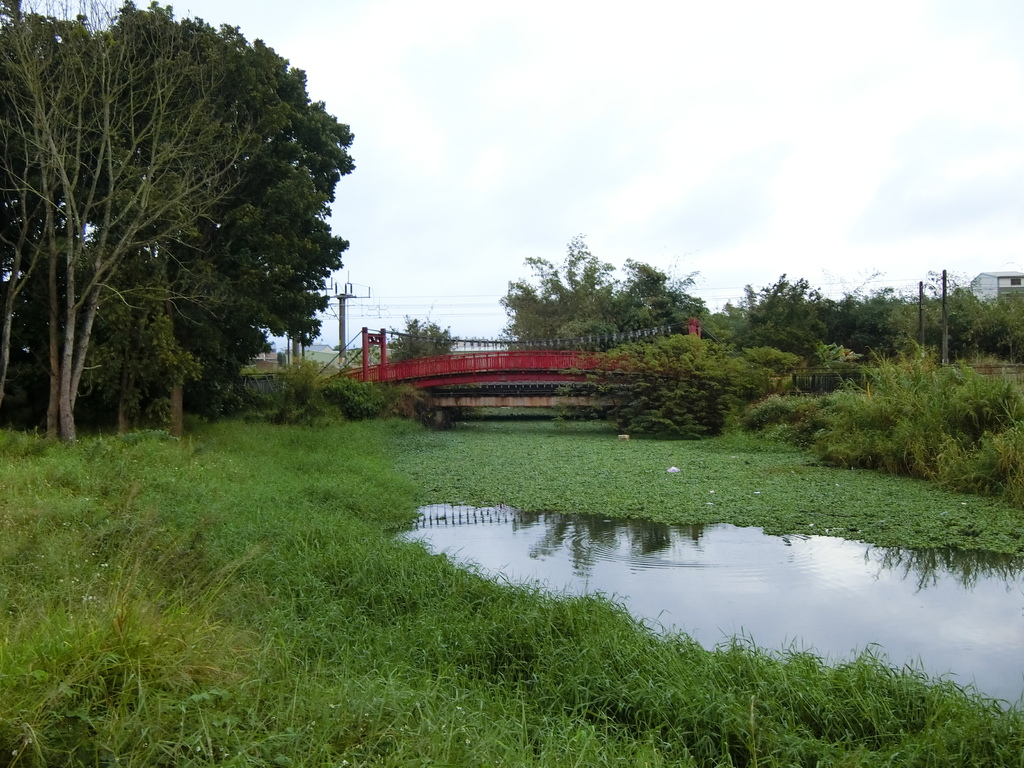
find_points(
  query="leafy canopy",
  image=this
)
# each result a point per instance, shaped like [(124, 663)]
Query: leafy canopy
[(582, 298), (420, 339), (676, 386)]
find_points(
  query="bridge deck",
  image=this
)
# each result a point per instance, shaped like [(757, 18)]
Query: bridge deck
[(444, 370)]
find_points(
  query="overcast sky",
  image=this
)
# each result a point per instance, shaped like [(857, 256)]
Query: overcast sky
[(838, 142)]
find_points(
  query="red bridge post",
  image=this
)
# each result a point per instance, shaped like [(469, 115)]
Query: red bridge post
[(374, 340)]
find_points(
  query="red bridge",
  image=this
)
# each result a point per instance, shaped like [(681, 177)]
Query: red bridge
[(497, 379), (473, 367), (483, 367)]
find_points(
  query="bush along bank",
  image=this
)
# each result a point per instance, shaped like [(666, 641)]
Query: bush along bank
[(238, 599), (948, 424)]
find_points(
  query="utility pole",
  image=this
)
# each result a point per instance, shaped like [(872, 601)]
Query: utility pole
[(920, 315), (343, 296), (945, 323)]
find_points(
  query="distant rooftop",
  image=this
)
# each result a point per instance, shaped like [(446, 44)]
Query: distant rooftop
[(319, 348), (990, 285)]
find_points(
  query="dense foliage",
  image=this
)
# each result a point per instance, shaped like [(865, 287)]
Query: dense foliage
[(793, 316), (164, 193), (420, 338), (303, 394), (239, 599), (582, 299), (948, 424), (676, 386), (582, 302), (684, 386)]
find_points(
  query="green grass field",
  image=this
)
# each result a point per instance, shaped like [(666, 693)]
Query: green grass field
[(238, 599)]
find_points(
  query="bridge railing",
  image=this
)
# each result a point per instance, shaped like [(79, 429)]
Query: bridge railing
[(423, 368)]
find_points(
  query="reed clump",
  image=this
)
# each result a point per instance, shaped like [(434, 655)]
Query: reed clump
[(239, 599), (948, 424)]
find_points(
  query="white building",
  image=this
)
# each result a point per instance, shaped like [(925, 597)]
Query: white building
[(989, 285)]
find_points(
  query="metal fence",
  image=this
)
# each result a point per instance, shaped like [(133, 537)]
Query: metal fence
[(264, 384), (1007, 372), (822, 381)]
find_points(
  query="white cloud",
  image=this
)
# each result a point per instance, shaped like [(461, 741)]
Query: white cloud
[(739, 139)]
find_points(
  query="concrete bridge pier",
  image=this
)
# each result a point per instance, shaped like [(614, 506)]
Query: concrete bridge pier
[(438, 418)]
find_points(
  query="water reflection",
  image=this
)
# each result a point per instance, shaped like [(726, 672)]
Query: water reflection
[(951, 612), (588, 539), (967, 566)]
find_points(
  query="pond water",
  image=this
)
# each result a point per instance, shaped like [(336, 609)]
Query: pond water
[(951, 613)]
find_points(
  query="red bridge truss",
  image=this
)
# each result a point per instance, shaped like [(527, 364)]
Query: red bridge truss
[(479, 367), (473, 367)]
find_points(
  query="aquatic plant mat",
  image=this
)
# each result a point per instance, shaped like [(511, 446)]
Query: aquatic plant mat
[(238, 598), (743, 479)]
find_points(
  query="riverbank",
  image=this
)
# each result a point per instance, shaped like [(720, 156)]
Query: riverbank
[(742, 479), (238, 598)]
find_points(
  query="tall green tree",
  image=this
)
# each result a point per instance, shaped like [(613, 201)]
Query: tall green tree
[(786, 316), (582, 298), (569, 301), (420, 339), (257, 261), (177, 168), (677, 386), (118, 145), (649, 298), (867, 323), (1004, 332)]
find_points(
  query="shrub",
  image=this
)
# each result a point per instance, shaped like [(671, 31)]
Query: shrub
[(355, 399), (948, 424), (768, 371), (299, 396), (677, 386), (304, 395), (794, 419)]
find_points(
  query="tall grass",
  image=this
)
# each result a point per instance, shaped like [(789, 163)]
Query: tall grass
[(239, 599), (948, 424)]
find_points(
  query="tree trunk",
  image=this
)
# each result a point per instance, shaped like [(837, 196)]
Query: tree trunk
[(65, 408), (66, 397), (177, 427), (5, 330), (53, 409)]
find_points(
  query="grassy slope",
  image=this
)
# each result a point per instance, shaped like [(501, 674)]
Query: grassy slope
[(237, 599), (739, 479)]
